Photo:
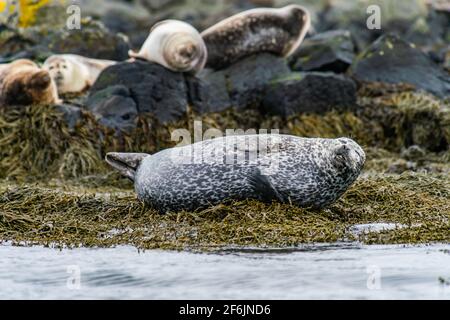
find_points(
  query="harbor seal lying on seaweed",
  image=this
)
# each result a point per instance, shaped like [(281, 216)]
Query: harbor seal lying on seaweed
[(175, 45), (302, 171), (22, 82), (278, 31), (74, 73)]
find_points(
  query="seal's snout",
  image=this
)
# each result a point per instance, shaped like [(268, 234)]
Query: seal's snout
[(125, 163)]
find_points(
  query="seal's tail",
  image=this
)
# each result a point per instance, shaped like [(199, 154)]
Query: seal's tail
[(125, 163)]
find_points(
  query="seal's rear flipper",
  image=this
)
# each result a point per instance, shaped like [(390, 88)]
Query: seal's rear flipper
[(263, 187), (125, 163)]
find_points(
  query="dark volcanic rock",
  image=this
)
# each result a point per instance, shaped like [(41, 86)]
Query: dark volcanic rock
[(392, 60), (242, 84), (328, 51), (404, 17), (124, 90), (114, 107), (153, 88), (309, 92), (211, 96)]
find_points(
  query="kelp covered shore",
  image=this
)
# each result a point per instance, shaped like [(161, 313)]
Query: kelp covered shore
[(67, 215), (56, 188)]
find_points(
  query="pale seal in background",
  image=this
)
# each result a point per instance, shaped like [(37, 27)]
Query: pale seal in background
[(175, 45), (73, 73), (22, 82), (278, 31), (303, 171)]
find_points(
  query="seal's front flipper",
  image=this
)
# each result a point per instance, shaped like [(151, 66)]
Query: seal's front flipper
[(263, 187), (125, 163)]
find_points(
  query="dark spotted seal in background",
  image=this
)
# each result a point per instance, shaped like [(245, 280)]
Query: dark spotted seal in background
[(278, 31), (302, 171)]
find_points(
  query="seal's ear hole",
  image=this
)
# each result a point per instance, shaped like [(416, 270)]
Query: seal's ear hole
[(40, 80)]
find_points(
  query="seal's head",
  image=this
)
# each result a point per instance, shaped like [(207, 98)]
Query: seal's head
[(181, 52), (175, 45), (297, 22), (347, 155), (337, 163), (125, 163), (61, 70), (24, 83)]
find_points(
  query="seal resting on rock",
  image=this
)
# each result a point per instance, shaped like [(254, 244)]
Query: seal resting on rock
[(22, 82), (303, 171), (278, 31), (73, 73), (175, 45)]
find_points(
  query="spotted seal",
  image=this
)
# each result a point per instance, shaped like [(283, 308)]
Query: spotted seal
[(278, 31), (307, 172), (74, 73), (175, 45)]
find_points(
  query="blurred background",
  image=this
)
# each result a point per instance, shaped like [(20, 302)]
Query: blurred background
[(423, 22)]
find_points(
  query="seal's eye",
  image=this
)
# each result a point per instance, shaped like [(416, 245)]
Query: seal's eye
[(341, 156), (342, 151), (51, 68)]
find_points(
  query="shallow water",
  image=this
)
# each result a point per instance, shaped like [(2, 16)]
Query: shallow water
[(337, 271)]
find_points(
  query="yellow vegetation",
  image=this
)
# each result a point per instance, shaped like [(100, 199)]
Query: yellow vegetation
[(28, 10)]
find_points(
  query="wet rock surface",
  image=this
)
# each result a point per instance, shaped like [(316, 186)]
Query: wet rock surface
[(130, 88), (141, 86), (242, 85), (309, 92), (114, 106), (329, 51), (393, 60), (396, 16)]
